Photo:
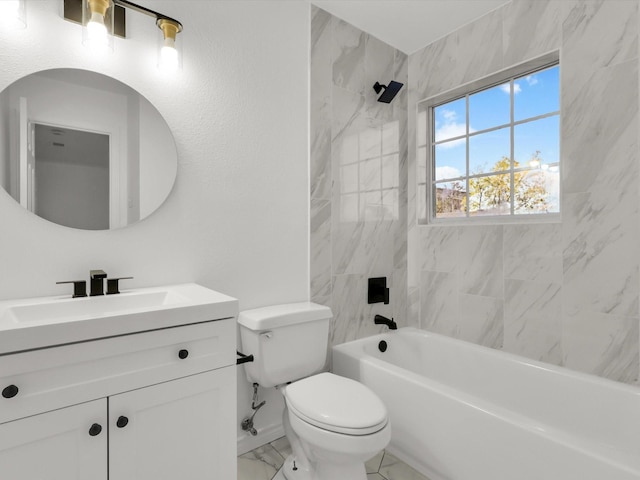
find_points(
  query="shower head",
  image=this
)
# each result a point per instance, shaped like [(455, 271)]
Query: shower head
[(390, 91)]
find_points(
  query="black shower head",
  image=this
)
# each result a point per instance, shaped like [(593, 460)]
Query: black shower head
[(390, 91)]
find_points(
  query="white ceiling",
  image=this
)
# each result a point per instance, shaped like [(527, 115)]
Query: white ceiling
[(408, 25)]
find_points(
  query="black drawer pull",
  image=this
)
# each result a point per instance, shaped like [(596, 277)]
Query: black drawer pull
[(95, 429), (10, 391), (182, 354), (122, 421)]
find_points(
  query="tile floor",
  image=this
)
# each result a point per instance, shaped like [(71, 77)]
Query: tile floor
[(263, 463)]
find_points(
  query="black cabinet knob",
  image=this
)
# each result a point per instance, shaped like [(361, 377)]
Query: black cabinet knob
[(122, 421), (10, 391), (95, 429), (182, 354)]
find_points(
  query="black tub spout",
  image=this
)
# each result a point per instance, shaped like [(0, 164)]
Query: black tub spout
[(380, 320)]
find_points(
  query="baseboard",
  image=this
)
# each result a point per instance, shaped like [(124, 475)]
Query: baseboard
[(247, 442)]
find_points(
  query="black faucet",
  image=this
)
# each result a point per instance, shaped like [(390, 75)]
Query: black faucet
[(380, 320), (97, 282)]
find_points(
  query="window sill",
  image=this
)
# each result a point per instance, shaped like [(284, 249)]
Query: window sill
[(494, 220)]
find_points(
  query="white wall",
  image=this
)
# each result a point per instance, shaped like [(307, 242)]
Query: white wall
[(237, 218)]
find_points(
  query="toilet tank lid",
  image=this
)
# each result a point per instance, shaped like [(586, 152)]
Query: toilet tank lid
[(282, 315)]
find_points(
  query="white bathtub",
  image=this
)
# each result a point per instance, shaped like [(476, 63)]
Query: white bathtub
[(460, 411)]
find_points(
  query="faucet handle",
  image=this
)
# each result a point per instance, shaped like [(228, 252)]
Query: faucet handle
[(97, 274), (79, 287), (112, 285)]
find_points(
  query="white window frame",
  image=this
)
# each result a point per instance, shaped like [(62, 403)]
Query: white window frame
[(427, 106)]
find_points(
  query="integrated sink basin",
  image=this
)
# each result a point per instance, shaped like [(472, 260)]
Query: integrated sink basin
[(47, 321), (66, 309)]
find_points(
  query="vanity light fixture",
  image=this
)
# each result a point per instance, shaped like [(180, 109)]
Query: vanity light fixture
[(102, 19), (13, 13), (169, 57)]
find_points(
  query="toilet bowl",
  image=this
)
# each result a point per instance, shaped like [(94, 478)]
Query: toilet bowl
[(334, 424)]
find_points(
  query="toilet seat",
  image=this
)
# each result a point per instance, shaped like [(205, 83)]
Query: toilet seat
[(336, 404)]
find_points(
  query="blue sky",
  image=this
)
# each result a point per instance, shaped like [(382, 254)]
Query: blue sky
[(535, 94)]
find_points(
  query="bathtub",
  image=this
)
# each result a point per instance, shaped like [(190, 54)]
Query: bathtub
[(460, 411)]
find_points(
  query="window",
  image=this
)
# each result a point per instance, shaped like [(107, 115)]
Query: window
[(495, 151)]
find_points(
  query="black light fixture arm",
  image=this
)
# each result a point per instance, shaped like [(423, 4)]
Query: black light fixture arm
[(151, 13)]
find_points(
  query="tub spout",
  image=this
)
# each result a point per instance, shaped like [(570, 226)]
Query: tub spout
[(380, 320)]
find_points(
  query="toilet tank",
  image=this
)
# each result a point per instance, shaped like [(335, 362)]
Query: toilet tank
[(288, 342)]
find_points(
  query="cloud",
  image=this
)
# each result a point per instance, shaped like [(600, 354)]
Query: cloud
[(506, 88), (451, 130), (449, 115), (531, 80), (445, 172)]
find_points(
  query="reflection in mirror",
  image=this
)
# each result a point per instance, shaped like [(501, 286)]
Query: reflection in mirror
[(84, 150), (72, 177), (369, 173)]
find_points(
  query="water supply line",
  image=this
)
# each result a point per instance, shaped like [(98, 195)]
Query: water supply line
[(247, 422)]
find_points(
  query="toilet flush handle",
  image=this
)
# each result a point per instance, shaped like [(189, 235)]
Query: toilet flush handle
[(267, 334)]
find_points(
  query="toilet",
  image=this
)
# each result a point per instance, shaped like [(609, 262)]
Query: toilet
[(334, 424)]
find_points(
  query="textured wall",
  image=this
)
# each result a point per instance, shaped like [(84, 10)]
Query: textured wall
[(358, 175), (237, 218), (242, 178), (565, 293)]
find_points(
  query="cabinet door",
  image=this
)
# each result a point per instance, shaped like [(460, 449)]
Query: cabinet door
[(182, 429), (63, 444)]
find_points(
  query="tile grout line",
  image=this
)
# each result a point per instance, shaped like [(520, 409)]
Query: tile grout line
[(380, 466), (378, 472)]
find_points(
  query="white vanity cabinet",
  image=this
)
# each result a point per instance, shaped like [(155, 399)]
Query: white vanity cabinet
[(56, 445), (152, 405), (175, 430)]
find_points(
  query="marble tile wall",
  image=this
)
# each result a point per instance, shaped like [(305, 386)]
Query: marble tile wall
[(565, 293), (358, 175)]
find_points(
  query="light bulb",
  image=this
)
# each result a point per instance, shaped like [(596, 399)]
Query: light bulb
[(96, 29), (169, 55), (11, 13), (97, 18)]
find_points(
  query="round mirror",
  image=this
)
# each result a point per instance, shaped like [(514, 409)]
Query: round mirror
[(84, 150)]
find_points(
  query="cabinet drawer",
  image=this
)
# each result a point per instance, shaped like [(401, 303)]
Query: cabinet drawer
[(56, 377)]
